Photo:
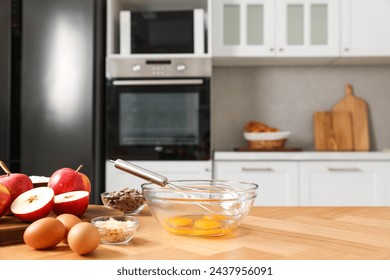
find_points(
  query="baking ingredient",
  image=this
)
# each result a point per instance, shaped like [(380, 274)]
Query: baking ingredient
[(44, 233), (125, 200), (114, 231), (66, 180), (33, 204), (75, 203), (16, 183), (68, 220), (207, 224), (195, 225), (5, 199), (180, 221), (83, 238)]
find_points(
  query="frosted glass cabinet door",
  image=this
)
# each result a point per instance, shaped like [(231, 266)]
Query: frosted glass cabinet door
[(308, 28), (243, 27)]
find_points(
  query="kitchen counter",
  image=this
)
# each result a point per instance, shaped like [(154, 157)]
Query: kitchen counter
[(267, 233), (302, 156)]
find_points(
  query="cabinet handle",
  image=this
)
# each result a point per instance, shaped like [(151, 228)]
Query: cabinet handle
[(271, 49), (346, 49), (281, 49), (344, 169), (258, 169)]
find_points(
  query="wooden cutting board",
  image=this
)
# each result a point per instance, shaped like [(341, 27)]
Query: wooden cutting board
[(12, 229), (359, 113), (333, 131)]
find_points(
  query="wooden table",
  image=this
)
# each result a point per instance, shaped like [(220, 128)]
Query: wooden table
[(267, 233)]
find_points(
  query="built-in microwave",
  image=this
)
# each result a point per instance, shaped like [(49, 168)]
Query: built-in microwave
[(162, 32)]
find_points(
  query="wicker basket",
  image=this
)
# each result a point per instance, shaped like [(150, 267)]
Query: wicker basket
[(267, 140), (267, 144)]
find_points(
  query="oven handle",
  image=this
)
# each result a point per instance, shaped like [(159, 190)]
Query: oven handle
[(157, 82)]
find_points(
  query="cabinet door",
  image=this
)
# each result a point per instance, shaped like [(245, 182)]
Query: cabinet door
[(278, 181), (243, 27), (343, 183), (365, 27), (173, 170), (308, 28)]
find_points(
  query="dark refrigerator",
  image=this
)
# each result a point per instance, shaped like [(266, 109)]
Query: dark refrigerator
[(57, 109)]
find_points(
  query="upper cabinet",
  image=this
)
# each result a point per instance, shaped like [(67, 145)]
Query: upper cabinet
[(283, 31), (365, 28), (307, 28), (243, 27), (269, 28)]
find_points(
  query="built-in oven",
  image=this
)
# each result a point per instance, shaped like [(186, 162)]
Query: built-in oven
[(159, 114)]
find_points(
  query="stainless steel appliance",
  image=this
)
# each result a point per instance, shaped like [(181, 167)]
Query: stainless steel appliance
[(162, 32), (159, 109), (52, 97)]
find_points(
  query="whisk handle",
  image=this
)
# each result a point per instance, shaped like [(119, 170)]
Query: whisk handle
[(140, 172)]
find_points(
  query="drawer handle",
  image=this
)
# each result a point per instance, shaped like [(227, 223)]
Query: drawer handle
[(257, 169), (343, 169)]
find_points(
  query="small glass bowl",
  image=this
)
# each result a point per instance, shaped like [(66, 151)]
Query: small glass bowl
[(116, 230), (127, 201)]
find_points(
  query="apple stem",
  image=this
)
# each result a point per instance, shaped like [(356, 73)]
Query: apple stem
[(79, 168), (5, 168)]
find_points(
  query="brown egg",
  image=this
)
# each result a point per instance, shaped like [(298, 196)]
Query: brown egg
[(44, 233), (69, 220), (83, 238)]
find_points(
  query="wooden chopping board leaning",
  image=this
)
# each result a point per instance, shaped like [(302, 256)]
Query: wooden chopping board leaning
[(333, 131), (359, 113)]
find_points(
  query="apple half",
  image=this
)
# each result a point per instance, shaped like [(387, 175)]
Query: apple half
[(75, 202), (33, 204)]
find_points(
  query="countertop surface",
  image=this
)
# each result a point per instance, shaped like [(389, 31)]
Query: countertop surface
[(301, 156), (267, 233)]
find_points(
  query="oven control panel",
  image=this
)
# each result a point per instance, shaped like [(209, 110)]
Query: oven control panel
[(177, 67)]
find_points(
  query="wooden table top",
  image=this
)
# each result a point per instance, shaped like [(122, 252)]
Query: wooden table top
[(269, 233)]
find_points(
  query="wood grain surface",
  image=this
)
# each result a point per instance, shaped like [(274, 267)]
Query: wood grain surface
[(333, 131), (297, 233), (359, 112)]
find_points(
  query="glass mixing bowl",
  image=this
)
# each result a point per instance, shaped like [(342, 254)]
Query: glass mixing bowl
[(200, 207)]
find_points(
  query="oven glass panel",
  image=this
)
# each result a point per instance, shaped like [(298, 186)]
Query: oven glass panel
[(158, 118)]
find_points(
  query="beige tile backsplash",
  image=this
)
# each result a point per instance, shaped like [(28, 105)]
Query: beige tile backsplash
[(287, 97)]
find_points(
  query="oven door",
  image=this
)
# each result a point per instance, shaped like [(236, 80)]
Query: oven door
[(158, 119)]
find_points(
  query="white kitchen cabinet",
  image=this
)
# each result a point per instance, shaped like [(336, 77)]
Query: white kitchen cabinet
[(365, 28), (282, 28), (278, 181), (343, 183), (174, 170), (243, 27), (307, 28)]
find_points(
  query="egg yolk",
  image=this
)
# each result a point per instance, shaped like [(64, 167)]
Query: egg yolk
[(207, 224), (215, 217), (180, 221)]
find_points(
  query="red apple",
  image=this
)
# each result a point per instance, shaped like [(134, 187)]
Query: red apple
[(87, 182), (75, 203), (66, 180), (34, 204), (16, 183), (5, 200)]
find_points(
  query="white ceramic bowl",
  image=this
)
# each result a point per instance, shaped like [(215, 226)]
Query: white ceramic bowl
[(261, 136)]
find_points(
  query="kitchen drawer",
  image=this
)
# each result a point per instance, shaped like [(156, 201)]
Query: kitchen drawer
[(343, 183), (278, 181)]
